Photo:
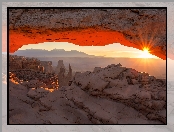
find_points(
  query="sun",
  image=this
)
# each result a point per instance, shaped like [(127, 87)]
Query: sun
[(145, 54)]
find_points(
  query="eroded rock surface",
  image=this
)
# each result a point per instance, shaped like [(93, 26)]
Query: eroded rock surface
[(110, 95), (136, 28)]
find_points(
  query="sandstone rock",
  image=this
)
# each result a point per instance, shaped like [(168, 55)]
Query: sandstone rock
[(20, 110), (32, 77), (59, 65), (37, 93), (144, 95), (119, 25), (47, 66), (98, 97), (62, 78), (32, 93), (31, 83), (158, 105), (97, 69), (134, 81), (162, 95)]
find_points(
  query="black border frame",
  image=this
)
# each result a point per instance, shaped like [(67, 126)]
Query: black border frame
[(8, 8)]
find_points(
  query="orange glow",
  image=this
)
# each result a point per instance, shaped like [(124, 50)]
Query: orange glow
[(83, 37), (145, 54), (145, 49), (50, 90), (15, 82)]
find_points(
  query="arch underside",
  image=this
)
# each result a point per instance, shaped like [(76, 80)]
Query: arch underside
[(129, 29)]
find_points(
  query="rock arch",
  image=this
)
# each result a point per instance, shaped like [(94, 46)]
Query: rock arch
[(136, 28)]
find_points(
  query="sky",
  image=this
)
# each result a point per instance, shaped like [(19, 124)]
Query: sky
[(110, 50)]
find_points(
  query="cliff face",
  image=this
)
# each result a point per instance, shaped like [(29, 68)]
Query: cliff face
[(59, 66), (64, 80), (47, 66), (32, 72), (110, 95), (136, 28)]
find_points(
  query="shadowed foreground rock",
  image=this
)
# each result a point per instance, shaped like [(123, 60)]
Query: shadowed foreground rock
[(110, 95)]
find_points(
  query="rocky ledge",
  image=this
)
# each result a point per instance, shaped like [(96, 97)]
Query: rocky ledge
[(110, 95)]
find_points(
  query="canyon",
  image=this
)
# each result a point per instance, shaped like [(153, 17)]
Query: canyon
[(110, 95)]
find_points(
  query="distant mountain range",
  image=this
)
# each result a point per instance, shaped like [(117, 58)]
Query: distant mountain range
[(52, 53)]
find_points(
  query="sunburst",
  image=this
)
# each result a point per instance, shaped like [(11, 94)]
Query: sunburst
[(146, 53)]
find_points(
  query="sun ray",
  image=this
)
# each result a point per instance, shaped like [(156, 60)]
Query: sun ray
[(146, 53)]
